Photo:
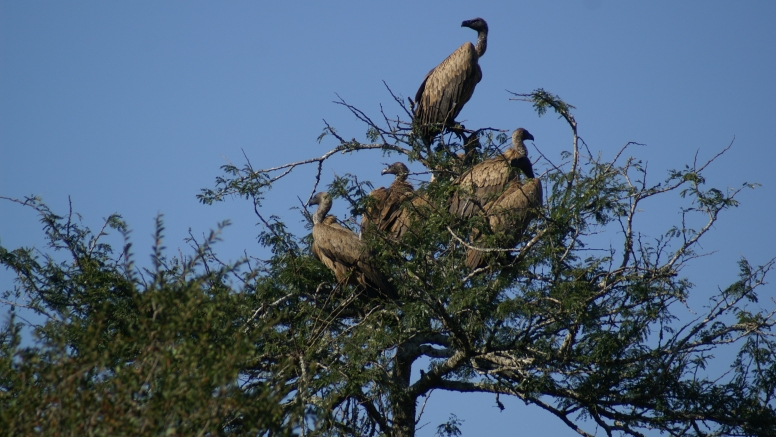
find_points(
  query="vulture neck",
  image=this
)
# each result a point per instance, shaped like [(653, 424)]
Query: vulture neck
[(524, 164), (520, 151), (323, 209), (527, 169), (482, 43), (520, 159)]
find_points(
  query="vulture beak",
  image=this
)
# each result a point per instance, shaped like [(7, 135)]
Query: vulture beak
[(386, 171), (466, 23), (528, 136)]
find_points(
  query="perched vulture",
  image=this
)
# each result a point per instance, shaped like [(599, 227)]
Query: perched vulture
[(448, 87), (387, 207), (340, 249), (394, 206), (510, 213), (488, 179)]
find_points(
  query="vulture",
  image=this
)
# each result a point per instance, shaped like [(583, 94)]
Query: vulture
[(511, 212), (487, 180), (394, 206), (340, 249), (384, 213), (448, 87)]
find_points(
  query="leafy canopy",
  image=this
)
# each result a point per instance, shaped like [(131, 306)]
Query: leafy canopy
[(584, 330)]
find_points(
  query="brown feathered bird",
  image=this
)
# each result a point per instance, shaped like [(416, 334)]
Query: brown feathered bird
[(510, 214), (340, 249), (394, 208), (448, 87), (386, 205), (487, 180)]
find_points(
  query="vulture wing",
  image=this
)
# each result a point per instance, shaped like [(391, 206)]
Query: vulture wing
[(340, 249), (514, 206), (410, 211), (509, 214), (387, 207), (480, 185), (334, 246), (372, 215)]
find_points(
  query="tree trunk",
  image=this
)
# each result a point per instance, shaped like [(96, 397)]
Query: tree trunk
[(402, 403)]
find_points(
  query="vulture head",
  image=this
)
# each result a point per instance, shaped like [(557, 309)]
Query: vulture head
[(520, 135), (477, 24), (323, 200), (397, 168), (481, 27)]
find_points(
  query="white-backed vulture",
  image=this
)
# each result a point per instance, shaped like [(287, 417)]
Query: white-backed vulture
[(340, 249), (510, 213), (395, 207), (448, 87), (488, 179), (386, 208)]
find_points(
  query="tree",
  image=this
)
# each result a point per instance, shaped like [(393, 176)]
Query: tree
[(123, 351), (584, 334)]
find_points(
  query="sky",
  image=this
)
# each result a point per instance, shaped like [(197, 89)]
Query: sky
[(132, 107)]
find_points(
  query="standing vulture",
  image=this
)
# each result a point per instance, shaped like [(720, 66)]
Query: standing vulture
[(387, 207), (488, 179), (511, 212), (448, 87), (339, 249)]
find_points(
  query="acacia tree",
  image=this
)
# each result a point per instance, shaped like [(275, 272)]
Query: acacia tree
[(581, 335), (275, 346), (123, 350)]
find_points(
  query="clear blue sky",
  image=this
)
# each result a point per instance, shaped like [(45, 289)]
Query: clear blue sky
[(132, 107)]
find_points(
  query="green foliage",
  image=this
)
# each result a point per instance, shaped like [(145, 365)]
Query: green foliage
[(119, 355), (451, 428), (543, 100), (581, 330)]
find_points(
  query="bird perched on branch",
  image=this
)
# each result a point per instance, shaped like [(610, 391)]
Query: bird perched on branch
[(487, 180), (394, 207), (448, 87), (510, 214), (386, 204), (340, 249)]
